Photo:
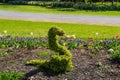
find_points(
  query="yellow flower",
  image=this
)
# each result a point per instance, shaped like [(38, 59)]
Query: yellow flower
[(101, 40), (73, 36), (5, 31), (31, 33), (68, 36), (97, 33)]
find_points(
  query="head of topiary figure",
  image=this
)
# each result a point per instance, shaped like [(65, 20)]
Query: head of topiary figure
[(55, 31), (53, 34)]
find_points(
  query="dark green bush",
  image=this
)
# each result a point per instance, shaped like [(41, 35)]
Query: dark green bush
[(82, 6), (18, 2), (79, 5), (115, 54), (43, 3), (62, 4), (4, 1)]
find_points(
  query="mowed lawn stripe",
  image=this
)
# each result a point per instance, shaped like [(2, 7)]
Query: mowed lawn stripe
[(24, 28)]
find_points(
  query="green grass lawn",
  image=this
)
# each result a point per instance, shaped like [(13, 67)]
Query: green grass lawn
[(23, 28), (38, 9)]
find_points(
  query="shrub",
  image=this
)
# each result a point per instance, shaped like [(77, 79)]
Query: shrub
[(83, 6), (59, 64), (62, 4), (115, 55), (18, 2), (78, 5), (62, 60), (4, 1), (5, 75), (64, 56)]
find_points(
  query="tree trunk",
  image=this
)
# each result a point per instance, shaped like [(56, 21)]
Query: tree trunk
[(90, 1), (112, 2), (102, 2)]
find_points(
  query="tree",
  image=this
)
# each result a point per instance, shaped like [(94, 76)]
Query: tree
[(4, 1), (112, 2)]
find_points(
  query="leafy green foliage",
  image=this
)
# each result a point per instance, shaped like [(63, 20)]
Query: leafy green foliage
[(78, 5), (115, 54), (98, 45), (59, 62), (82, 6), (72, 45), (5, 75), (22, 42), (111, 43), (62, 61), (37, 62), (53, 34), (62, 4)]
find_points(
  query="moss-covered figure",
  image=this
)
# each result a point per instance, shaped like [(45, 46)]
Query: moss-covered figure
[(62, 61), (53, 33)]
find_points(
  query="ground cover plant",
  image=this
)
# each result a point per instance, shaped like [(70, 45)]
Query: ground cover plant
[(38, 9)]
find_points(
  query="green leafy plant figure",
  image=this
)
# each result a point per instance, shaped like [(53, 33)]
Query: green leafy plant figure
[(53, 34), (62, 60)]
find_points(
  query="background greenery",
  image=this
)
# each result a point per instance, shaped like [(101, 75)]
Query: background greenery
[(38, 9)]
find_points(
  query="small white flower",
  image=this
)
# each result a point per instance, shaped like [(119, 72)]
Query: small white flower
[(97, 33), (73, 36), (68, 36), (31, 33), (110, 50), (5, 31)]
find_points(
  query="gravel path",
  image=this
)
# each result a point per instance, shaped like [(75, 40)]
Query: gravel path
[(100, 20)]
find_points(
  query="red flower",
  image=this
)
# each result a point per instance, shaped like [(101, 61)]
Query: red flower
[(116, 36)]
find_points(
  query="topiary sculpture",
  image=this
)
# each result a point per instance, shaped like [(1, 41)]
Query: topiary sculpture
[(53, 33), (60, 62)]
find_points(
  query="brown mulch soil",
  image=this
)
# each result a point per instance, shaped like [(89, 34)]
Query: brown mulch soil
[(84, 62)]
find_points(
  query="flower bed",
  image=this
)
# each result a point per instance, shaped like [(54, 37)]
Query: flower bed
[(92, 58)]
